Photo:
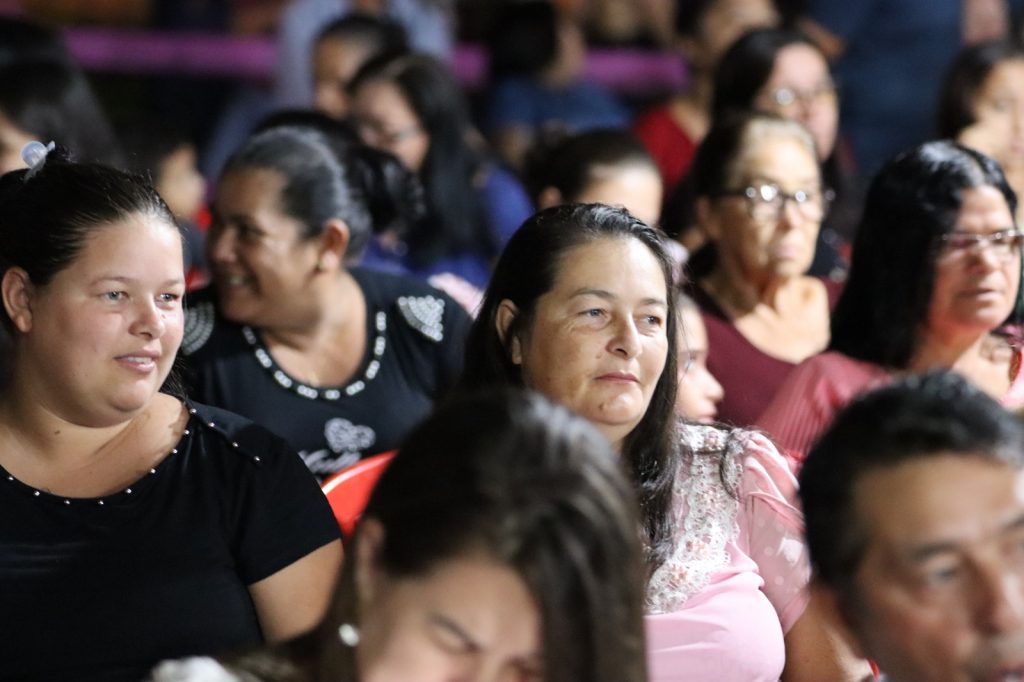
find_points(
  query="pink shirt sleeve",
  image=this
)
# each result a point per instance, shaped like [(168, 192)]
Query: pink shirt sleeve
[(773, 525), (811, 395)]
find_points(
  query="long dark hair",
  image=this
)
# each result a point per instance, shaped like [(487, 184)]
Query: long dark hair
[(452, 164), (526, 270), (912, 202)]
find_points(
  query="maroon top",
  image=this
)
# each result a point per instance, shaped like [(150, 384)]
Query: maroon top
[(749, 376)]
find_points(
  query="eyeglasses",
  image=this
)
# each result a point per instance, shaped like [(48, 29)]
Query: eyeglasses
[(1005, 244), (688, 358), (785, 98), (767, 201), (375, 133)]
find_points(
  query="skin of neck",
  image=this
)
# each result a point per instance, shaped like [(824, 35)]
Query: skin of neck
[(947, 348), (743, 289), (336, 304), (29, 416)]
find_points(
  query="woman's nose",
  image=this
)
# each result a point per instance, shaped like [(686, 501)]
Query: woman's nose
[(626, 341)]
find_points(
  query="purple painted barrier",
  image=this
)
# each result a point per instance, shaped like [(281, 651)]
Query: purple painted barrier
[(203, 54)]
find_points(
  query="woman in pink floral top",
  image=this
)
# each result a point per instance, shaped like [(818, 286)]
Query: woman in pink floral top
[(581, 308)]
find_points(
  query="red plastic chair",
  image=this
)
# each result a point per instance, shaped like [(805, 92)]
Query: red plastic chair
[(349, 490)]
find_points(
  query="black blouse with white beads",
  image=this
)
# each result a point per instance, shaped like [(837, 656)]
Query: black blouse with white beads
[(415, 342), (103, 588)]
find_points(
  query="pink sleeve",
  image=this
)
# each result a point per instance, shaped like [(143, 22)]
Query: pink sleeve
[(811, 395), (774, 526)]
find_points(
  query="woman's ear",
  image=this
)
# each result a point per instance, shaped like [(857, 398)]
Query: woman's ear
[(370, 538), (506, 315), (334, 240), (17, 290)]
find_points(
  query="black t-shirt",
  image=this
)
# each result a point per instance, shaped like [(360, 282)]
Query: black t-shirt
[(104, 588), (415, 340)]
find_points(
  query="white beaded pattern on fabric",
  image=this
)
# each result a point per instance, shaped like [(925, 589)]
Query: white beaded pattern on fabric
[(706, 512), (425, 314), (311, 392), (198, 669), (199, 322)]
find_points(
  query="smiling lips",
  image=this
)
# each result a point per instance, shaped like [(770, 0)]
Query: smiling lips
[(142, 362), (235, 280)]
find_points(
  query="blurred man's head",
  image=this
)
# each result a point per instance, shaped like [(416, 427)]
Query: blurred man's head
[(914, 501)]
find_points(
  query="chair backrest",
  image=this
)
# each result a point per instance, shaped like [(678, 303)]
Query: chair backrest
[(349, 490)]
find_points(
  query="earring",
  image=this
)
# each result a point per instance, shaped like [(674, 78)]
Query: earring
[(348, 634)]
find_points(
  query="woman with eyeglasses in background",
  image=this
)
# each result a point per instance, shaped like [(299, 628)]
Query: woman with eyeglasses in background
[(783, 72), (982, 104), (411, 106), (936, 267), (759, 197)]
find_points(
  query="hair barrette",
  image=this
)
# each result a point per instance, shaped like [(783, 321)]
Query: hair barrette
[(34, 155)]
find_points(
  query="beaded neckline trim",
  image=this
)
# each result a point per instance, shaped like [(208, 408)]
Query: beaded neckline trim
[(305, 390), (102, 501)]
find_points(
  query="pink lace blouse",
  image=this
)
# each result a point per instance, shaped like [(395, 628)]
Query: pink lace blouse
[(719, 607)]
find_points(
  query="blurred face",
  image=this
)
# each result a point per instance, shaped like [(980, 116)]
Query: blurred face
[(976, 286), (598, 343), (637, 188), (471, 619), (102, 335), (335, 62), (261, 267), (386, 120), (12, 139), (940, 590), (180, 184), (758, 243), (999, 110), (800, 88), (724, 22), (571, 54), (699, 392)]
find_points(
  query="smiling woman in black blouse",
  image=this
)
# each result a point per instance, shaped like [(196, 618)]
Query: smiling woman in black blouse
[(135, 525), (340, 361)]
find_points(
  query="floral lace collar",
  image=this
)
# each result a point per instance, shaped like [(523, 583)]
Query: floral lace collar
[(705, 515)]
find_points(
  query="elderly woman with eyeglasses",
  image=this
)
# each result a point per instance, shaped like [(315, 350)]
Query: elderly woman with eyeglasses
[(784, 72), (758, 196), (936, 268)]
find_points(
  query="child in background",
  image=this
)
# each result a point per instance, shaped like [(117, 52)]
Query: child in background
[(168, 158), (699, 392), (607, 166)]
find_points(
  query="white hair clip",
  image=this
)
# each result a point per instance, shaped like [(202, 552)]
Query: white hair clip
[(34, 155)]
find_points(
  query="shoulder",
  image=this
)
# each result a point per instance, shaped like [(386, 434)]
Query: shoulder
[(415, 304), (203, 324), (751, 459), (227, 431), (835, 368)]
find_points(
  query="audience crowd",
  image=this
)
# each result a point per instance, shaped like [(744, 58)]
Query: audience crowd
[(721, 387)]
